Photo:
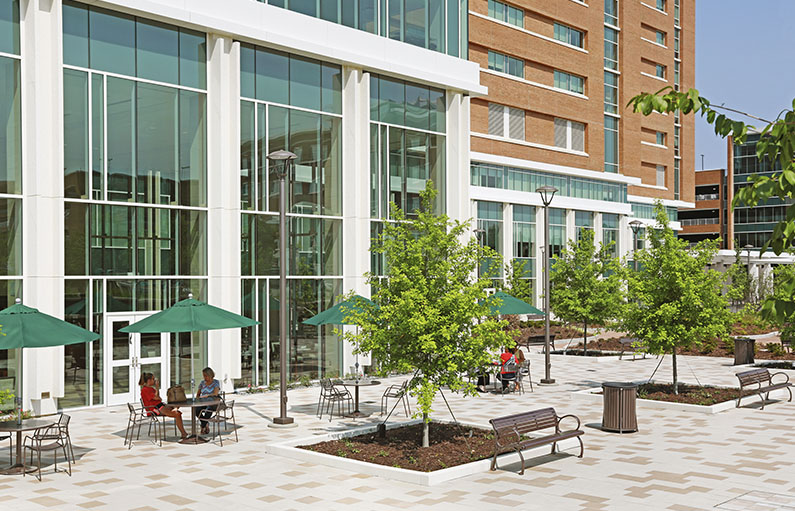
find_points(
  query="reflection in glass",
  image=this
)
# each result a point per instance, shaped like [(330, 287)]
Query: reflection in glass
[(121, 113), (157, 158), (9, 27), (157, 51), (77, 379), (121, 341), (247, 145), (10, 127), (75, 34), (75, 133), (150, 345), (10, 237), (121, 379), (112, 43), (97, 136), (305, 83)]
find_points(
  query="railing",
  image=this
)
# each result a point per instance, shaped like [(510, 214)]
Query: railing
[(708, 196), (699, 221)]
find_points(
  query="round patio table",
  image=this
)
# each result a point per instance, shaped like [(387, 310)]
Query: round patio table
[(26, 425), (201, 402), (356, 384)]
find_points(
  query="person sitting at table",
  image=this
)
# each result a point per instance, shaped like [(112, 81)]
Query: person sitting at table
[(209, 387), (154, 405), (519, 354), (508, 367)]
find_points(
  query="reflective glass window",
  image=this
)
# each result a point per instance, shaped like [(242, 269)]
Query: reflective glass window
[(75, 34), (11, 122), (112, 42)]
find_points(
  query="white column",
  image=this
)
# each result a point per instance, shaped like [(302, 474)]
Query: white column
[(597, 229), (457, 175), (571, 228), (42, 189), (507, 234), (223, 200), (355, 189)]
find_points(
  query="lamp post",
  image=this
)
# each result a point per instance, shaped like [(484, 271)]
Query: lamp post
[(282, 162), (547, 192), (635, 225)]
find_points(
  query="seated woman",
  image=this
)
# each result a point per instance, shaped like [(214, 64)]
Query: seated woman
[(508, 368), (209, 387), (154, 405)]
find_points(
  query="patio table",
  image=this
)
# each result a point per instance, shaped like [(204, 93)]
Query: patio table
[(195, 403), (356, 384), (26, 425)]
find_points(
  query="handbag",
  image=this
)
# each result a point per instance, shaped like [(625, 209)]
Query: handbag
[(175, 394)]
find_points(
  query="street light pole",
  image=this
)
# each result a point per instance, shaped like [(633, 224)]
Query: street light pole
[(282, 161), (547, 193), (635, 225)]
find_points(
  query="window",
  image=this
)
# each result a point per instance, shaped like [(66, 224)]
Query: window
[(490, 220), (676, 43), (660, 138), (582, 220), (611, 48), (660, 175), (506, 64), (557, 231), (507, 13), (569, 82), (610, 233), (569, 135), (660, 37), (611, 12), (569, 35), (505, 121), (611, 92), (659, 71), (524, 241), (611, 144), (676, 179), (661, 5)]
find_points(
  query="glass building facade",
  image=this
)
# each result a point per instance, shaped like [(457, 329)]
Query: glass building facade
[(10, 174), (438, 25)]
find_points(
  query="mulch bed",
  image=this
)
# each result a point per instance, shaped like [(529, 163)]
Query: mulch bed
[(560, 332), (720, 351), (450, 445), (690, 394), (581, 353)]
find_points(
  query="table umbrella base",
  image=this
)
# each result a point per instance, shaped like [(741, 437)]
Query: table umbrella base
[(357, 415), (193, 439), (18, 469)]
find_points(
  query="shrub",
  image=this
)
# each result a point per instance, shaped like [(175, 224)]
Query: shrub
[(775, 349)]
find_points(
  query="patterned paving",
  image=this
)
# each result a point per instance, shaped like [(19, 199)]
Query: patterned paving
[(741, 459)]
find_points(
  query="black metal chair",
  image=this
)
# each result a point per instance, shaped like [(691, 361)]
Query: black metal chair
[(330, 394), (223, 414), (396, 392), (48, 439), (524, 370), (10, 446)]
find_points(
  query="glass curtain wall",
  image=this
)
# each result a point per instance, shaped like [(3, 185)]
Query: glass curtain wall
[(524, 242), (135, 164), (557, 231), (10, 174), (611, 76), (583, 220), (438, 25), (490, 220), (407, 145), (294, 103), (610, 223)]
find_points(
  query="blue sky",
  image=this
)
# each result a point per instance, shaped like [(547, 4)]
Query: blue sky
[(742, 61)]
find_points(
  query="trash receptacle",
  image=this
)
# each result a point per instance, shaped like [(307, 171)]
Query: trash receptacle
[(619, 407), (744, 350)]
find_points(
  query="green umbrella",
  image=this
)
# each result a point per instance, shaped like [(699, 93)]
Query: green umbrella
[(509, 305), (189, 316), (26, 327), (336, 316)]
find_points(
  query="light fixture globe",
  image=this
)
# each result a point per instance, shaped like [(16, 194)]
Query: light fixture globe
[(635, 225), (547, 193), (282, 158)]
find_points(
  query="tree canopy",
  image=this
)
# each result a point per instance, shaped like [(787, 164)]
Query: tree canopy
[(674, 300), (586, 283), (431, 315)]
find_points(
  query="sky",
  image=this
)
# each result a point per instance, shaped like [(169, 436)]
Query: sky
[(743, 53)]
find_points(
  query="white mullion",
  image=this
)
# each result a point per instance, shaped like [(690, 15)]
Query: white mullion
[(10, 56), (90, 139), (137, 204), (104, 190), (135, 78), (254, 191)]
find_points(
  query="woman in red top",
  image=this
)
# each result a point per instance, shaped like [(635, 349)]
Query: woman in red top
[(154, 405)]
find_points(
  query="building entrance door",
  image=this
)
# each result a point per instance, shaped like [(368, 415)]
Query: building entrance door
[(128, 355)]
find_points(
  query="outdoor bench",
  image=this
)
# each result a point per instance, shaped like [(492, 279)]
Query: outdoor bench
[(510, 432), (763, 380)]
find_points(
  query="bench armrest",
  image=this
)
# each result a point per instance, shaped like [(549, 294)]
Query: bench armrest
[(560, 419), (785, 375)]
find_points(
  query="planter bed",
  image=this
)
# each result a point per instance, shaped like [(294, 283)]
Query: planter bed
[(776, 364), (578, 352), (312, 449), (594, 395)]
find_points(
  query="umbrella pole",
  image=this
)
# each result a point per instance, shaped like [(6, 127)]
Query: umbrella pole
[(192, 376), (18, 397)]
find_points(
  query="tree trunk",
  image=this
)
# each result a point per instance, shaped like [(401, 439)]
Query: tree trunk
[(585, 338), (676, 381), (425, 431)]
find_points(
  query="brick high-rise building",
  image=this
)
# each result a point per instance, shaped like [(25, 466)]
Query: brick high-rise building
[(560, 74)]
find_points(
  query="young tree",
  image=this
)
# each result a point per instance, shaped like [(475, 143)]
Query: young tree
[(516, 283), (674, 301), (431, 314), (739, 280), (586, 284)]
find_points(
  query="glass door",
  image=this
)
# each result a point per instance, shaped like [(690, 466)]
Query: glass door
[(129, 356)]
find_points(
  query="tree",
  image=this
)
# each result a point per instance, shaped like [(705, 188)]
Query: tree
[(776, 144), (516, 282), (586, 284), (739, 280), (675, 302), (430, 305)]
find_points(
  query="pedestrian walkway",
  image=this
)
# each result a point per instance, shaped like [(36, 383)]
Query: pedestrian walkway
[(735, 460)]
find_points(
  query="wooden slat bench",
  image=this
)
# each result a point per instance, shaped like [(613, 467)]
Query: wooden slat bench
[(510, 432), (763, 380)]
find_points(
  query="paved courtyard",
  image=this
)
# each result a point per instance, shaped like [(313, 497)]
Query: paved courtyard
[(741, 459)]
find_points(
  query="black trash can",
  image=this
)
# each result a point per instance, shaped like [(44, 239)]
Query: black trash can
[(744, 350), (619, 407)]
